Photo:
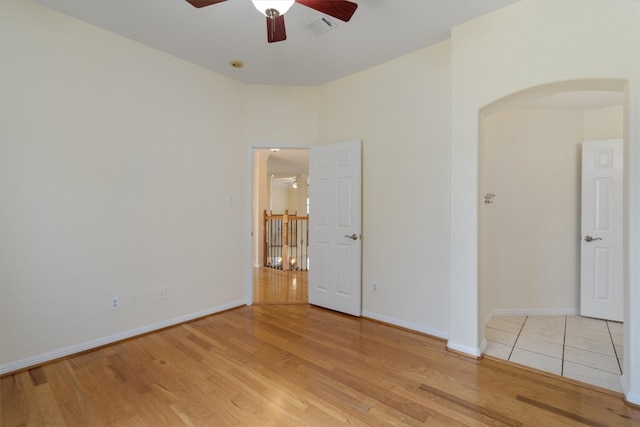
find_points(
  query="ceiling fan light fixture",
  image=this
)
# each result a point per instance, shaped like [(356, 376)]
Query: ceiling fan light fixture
[(273, 8)]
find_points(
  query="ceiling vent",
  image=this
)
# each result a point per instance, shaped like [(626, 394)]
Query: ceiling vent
[(320, 25)]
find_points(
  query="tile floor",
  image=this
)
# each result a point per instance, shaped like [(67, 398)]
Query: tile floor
[(580, 348)]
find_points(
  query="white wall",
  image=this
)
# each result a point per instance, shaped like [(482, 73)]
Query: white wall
[(281, 116), (280, 200), (299, 196), (530, 235), (291, 199), (603, 123), (532, 165), (529, 44), (116, 161), (404, 125)]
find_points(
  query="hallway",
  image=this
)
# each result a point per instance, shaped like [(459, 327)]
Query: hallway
[(273, 286), (580, 348)]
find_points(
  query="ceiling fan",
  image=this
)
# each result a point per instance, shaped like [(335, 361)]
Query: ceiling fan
[(274, 10)]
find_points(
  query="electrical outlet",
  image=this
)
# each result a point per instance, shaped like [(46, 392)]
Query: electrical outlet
[(374, 287), (114, 303), (162, 293)]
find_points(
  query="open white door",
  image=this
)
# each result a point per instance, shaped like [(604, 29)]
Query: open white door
[(335, 249), (601, 281)]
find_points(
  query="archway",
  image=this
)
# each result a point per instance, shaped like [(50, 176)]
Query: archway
[(529, 245)]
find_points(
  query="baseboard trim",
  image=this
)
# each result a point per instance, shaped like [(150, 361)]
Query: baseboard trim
[(407, 325), (40, 359), (463, 349), (630, 397)]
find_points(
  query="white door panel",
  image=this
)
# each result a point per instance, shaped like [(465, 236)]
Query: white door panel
[(335, 187), (601, 281)]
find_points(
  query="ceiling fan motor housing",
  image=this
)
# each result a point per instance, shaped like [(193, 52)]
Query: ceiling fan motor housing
[(272, 13), (273, 8)]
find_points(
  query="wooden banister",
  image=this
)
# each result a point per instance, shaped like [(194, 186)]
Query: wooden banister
[(281, 233)]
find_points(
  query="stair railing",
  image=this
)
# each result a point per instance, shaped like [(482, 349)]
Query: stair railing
[(286, 241)]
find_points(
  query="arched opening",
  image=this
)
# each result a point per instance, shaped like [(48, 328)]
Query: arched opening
[(529, 227)]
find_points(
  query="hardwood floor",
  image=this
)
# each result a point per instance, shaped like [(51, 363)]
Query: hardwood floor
[(273, 286), (291, 365)]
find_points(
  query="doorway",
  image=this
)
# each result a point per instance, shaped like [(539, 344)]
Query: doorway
[(529, 211), (280, 182)]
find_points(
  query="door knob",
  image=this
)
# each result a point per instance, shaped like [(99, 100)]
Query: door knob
[(354, 236), (591, 239)]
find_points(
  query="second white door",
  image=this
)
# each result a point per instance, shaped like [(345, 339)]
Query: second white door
[(601, 257)]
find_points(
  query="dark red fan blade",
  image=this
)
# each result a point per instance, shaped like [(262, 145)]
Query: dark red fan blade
[(340, 9), (203, 3), (275, 29)]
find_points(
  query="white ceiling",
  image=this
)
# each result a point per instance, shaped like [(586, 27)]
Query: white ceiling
[(380, 30), (288, 162), (213, 36)]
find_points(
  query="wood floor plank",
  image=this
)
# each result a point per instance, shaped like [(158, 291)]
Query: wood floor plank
[(295, 365), (273, 286)]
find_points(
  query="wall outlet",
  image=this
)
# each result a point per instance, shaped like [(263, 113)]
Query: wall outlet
[(114, 303), (375, 287), (162, 293)]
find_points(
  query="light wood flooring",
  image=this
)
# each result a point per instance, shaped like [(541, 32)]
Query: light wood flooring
[(273, 286), (295, 365)]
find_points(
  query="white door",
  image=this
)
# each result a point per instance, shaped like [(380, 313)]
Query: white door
[(601, 293), (335, 188)]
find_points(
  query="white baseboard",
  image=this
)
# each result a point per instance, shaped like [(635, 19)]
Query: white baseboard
[(633, 398), (407, 325), (99, 342), (531, 312), (475, 352)]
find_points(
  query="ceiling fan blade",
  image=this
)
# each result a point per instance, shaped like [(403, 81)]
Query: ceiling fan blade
[(203, 3), (340, 9), (275, 29)]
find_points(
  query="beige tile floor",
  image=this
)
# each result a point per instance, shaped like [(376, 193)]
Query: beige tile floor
[(580, 348)]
